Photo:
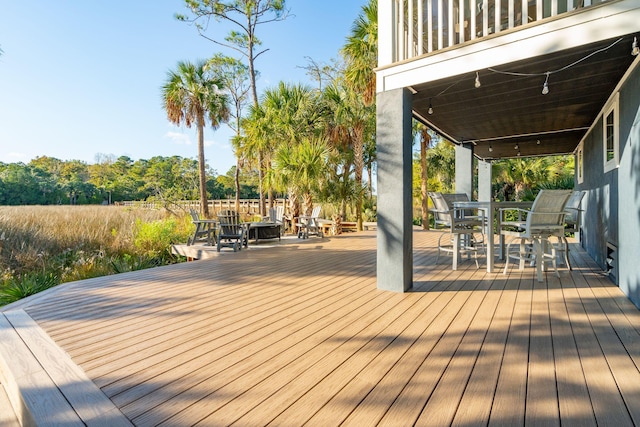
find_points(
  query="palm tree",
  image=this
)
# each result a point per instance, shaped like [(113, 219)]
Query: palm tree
[(351, 123), (286, 115), (192, 94), (302, 168), (244, 16), (361, 54)]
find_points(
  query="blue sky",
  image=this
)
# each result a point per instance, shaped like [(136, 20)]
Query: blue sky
[(80, 78)]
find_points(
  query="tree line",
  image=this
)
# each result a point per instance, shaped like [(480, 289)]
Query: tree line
[(49, 181)]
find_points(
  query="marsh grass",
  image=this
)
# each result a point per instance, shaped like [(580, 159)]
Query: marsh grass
[(42, 246)]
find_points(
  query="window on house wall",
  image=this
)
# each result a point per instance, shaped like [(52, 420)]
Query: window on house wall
[(580, 163), (610, 134)]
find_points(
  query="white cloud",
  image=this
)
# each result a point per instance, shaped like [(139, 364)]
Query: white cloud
[(178, 138), (214, 143)]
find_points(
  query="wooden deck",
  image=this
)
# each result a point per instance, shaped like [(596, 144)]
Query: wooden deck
[(298, 334)]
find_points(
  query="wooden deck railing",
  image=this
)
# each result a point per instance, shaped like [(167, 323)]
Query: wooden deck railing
[(424, 26), (247, 206)]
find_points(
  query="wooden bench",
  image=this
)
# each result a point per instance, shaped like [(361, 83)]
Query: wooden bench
[(349, 226)]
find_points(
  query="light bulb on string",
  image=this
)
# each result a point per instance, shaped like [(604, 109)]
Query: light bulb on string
[(545, 87), (430, 110), (634, 47), (490, 148), (478, 84)]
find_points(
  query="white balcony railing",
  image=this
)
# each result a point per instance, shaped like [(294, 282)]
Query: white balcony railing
[(424, 26)]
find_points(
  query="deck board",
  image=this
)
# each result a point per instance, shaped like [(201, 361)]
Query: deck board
[(298, 334)]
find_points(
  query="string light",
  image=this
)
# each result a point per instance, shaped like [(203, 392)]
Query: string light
[(538, 142), (430, 110), (490, 148), (545, 87), (478, 84), (517, 147), (634, 47)]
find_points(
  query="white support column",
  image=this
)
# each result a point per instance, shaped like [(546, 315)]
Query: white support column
[(464, 169), (484, 181)]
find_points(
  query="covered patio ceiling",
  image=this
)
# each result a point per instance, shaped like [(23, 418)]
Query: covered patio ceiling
[(508, 116)]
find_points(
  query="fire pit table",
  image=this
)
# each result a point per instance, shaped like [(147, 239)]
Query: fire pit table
[(264, 230)]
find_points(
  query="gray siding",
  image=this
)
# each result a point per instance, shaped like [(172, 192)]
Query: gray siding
[(612, 203)]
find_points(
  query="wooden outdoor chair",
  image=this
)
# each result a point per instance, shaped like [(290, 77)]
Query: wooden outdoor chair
[(310, 225), (205, 229), (533, 229), (232, 232), (276, 216)]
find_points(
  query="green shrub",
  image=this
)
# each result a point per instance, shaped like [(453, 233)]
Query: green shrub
[(154, 239), (28, 284)]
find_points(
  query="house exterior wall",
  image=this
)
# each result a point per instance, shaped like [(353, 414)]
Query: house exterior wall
[(612, 201)]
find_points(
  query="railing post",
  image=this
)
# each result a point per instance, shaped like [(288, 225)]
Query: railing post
[(440, 42), (420, 27), (429, 25)]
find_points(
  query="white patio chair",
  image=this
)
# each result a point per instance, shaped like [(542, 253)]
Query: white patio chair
[(534, 227), (463, 227), (572, 222)]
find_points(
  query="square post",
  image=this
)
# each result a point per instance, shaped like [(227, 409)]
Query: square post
[(464, 169), (394, 181), (484, 181)]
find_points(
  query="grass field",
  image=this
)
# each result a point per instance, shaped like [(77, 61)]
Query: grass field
[(42, 246)]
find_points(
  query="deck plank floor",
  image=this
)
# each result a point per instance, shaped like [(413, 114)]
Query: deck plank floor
[(298, 334)]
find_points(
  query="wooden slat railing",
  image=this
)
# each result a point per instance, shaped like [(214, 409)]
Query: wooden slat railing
[(424, 26)]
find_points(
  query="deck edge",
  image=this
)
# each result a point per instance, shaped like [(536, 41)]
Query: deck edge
[(44, 386)]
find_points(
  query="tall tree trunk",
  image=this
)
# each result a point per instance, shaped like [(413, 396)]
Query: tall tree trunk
[(358, 156), (370, 177), (237, 183), (204, 202), (425, 138), (294, 209), (261, 204), (307, 203)]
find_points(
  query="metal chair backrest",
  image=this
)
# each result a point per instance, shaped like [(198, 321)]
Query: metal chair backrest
[(572, 219), (441, 211), (548, 208), (451, 198)]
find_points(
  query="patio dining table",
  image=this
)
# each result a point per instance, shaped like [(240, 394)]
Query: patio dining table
[(491, 211)]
